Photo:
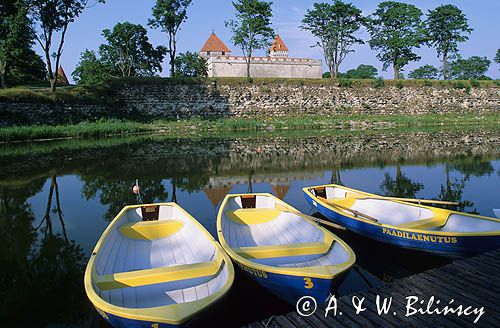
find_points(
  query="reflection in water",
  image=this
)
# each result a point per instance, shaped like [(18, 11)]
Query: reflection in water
[(117, 193), (45, 251), (401, 186), (42, 271)]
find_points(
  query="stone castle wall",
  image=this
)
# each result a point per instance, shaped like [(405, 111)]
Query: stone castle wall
[(231, 66), (225, 99)]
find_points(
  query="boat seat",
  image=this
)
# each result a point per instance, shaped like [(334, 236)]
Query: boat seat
[(424, 224), (345, 202), (263, 252), (158, 275), (151, 230), (253, 215)]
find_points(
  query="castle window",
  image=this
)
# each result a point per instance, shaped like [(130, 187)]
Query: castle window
[(208, 53), (223, 53)]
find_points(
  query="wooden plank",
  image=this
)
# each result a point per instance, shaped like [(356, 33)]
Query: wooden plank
[(399, 299), (480, 263), (280, 321), (491, 283), (462, 279), (300, 321), (372, 314), (395, 320), (425, 292), (328, 321), (445, 297), (468, 298), (431, 321)]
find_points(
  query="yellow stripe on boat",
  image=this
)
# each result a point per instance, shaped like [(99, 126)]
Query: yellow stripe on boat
[(253, 215), (263, 252), (151, 230), (157, 275)]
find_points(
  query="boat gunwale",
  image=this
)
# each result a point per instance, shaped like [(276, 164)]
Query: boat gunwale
[(178, 313), (307, 191), (321, 272)]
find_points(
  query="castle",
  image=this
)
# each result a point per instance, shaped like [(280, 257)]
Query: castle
[(221, 64)]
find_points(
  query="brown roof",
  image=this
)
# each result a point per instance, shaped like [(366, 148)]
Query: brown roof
[(216, 194), (281, 191), (215, 44), (278, 44), (62, 79)]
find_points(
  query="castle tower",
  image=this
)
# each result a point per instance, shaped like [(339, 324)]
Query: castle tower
[(214, 47), (278, 48), (62, 79)]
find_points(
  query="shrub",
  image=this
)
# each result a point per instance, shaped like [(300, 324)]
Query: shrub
[(399, 85), (475, 83), (428, 83), (458, 84), (378, 82), (345, 83)]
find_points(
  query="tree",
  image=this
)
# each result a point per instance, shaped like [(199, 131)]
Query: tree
[(18, 62), (395, 29), (190, 64), (362, 72), (252, 27), (446, 26), (497, 57), (169, 15), (128, 51), (424, 72), (54, 16), (334, 26), (91, 69), (474, 67)]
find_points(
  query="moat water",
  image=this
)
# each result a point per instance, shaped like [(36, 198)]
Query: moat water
[(57, 198)]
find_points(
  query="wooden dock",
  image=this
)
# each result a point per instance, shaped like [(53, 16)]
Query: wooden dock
[(472, 282)]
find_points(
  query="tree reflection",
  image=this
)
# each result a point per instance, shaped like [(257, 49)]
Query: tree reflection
[(472, 166), (336, 179), (401, 186), (452, 191), (41, 270), (118, 193)]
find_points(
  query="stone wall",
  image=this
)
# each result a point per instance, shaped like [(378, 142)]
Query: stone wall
[(230, 66), (225, 99)]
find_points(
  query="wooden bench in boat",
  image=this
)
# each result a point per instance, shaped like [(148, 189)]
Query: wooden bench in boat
[(273, 251), (424, 224), (158, 275), (253, 215), (151, 230)]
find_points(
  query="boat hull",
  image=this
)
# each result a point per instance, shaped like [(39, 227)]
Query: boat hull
[(292, 288), (441, 244), (122, 322)]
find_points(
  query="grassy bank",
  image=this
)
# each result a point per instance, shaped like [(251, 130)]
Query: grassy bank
[(223, 126)]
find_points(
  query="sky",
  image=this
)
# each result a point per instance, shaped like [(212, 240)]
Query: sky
[(207, 15)]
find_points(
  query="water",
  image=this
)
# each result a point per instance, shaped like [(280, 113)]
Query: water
[(57, 198)]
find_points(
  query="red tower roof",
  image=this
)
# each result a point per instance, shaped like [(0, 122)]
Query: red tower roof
[(278, 44), (215, 44)]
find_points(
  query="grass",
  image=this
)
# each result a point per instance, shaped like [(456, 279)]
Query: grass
[(224, 126), (100, 94)]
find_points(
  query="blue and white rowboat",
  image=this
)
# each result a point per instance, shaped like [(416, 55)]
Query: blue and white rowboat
[(405, 224), (281, 248)]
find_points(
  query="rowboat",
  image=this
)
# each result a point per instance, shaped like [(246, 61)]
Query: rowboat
[(155, 266), (405, 223), (281, 248)]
